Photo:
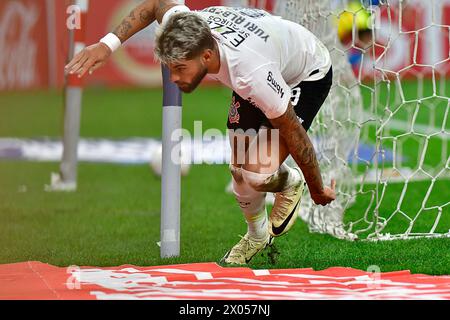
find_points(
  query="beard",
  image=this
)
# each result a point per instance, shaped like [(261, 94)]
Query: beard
[(189, 87)]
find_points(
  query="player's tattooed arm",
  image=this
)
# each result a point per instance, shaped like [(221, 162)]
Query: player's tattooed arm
[(163, 6), (141, 16), (302, 150), (300, 147)]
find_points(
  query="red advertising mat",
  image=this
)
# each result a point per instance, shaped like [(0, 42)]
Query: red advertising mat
[(209, 281)]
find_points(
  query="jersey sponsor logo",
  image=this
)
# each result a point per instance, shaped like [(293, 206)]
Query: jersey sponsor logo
[(274, 84), (233, 114)]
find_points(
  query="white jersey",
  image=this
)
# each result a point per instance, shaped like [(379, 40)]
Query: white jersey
[(263, 56)]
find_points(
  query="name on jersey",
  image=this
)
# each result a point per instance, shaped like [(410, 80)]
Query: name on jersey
[(228, 31), (274, 84), (237, 21)]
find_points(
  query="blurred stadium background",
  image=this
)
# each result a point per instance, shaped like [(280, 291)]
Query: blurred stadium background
[(113, 217)]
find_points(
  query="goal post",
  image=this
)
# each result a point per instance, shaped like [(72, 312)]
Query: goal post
[(383, 132)]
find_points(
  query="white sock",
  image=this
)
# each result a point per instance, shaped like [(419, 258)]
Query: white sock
[(257, 224), (252, 204)]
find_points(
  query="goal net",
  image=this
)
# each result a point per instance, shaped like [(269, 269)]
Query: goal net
[(383, 132)]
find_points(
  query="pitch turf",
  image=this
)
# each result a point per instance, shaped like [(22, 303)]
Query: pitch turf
[(113, 219)]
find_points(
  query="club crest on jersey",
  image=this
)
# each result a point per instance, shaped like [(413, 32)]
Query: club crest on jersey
[(233, 114), (274, 84)]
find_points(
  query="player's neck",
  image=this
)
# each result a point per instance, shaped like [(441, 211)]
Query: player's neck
[(214, 66)]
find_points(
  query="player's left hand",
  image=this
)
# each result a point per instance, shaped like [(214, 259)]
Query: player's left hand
[(89, 59), (327, 195)]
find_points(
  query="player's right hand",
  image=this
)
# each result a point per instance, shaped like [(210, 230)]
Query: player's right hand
[(88, 60)]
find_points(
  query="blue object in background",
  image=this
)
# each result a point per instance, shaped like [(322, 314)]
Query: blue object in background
[(354, 57), (368, 3), (366, 152)]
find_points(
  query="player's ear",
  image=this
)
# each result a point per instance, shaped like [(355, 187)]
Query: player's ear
[(207, 55)]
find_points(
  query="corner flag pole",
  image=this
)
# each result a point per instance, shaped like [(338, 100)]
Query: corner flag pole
[(66, 179), (171, 169)]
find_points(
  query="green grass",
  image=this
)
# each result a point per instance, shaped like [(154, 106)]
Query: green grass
[(410, 206), (120, 113), (113, 219)]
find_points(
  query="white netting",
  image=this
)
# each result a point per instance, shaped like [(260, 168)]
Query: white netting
[(383, 132)]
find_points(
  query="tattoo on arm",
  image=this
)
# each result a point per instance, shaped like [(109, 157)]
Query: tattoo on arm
[(139, 18), (164, 5), (300, 147), (132, 15), (122, 31), (145, 16)]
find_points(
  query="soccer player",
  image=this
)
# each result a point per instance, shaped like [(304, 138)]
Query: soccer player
[(280, 74)]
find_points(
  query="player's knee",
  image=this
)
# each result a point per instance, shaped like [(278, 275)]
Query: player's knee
[(250, 201), (236, 172), (258, 181)]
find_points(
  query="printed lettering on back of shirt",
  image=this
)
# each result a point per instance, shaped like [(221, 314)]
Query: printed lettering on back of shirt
[(235, 18), (234, 36), (251, 12)]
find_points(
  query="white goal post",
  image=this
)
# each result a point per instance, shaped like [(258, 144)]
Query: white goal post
[(383, 132)]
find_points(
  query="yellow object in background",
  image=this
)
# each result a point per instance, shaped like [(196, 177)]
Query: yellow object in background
[(356, 14)]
